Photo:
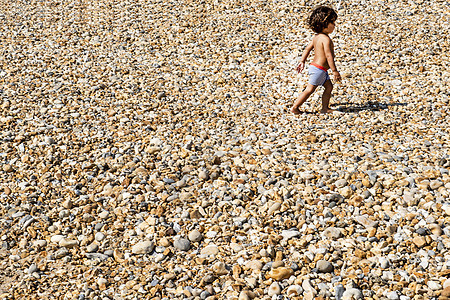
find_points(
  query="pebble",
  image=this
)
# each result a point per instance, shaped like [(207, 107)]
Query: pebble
[(61, 253), (97, 256), (33, 268), (274, 289), (332, 233), (435, 184), (210, 250), (243, 295), (236, 247), (339, 291), (7, 168), (143, 247), (446, 292), (102, 282), (68, 243), (57, 238), (195, 236), (340, 183), (255, 265), (393, 295), (273, 208), (324, 266), (99, 236), (204, 295), (203, 175), (446, 283), (384, 262), (219, 268), (433, 285), (288, 234), (40, 243), (308, 288), (159, 257), (419, 241), (352, 293), (92, 248), (164, 129), (182, 244), (294, 291), (280, 273), (366, 222)]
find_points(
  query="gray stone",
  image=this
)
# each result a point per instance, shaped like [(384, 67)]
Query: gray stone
[(92, 248), (324, 266), (203, 175), (33, 268), (99, 236), (340, 183), (61, 253), (182, 244), (98, 256), (384, 262), (339, 291)]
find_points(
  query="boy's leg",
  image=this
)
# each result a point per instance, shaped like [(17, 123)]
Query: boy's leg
[(303, 97), (326, 97)]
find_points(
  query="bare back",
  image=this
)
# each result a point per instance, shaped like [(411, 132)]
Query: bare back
[(322, 45)]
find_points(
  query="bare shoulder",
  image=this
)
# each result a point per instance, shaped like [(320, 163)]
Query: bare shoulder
[(323, 38)]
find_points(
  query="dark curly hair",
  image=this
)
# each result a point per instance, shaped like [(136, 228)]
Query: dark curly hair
[(320, 17)]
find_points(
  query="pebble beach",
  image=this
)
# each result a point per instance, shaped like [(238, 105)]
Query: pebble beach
[(147, 151)]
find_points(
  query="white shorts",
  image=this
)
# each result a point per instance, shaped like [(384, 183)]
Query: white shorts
[(317, 76)]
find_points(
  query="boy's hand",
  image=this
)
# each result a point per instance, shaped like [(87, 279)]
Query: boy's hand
[(300, 67), (337, 76)]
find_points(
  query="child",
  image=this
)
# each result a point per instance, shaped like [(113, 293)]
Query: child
[(322, 21)]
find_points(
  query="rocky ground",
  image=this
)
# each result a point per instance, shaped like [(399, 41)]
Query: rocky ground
[(147, 151)]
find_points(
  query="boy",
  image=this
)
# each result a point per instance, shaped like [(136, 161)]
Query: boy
[(322, 21)]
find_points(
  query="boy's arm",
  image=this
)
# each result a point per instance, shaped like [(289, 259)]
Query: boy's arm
[(329, 54), (305, 56)]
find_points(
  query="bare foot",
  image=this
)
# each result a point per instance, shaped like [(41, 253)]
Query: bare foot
[(328, 111), (295, 111)]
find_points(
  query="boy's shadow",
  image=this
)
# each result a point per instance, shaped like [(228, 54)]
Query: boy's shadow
[(369, 105)]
